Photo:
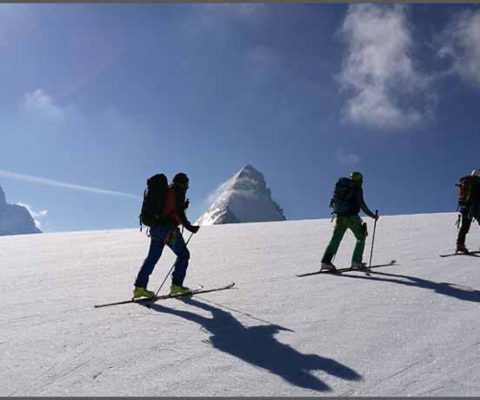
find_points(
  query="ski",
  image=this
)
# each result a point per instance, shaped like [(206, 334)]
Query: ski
[(340, 270), (472, 254), (150, 300)]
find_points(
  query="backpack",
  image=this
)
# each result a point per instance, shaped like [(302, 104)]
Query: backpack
[(154, 199), (464, 191), (469, 192), (342, 196)]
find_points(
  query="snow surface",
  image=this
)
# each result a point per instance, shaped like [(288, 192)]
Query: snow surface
[(243, 198), (407, 330), (15, 219)]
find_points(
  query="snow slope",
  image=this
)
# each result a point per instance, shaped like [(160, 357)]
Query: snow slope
[(243, 198), (406, 330)]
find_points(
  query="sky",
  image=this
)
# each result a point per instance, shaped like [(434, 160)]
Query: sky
[(98, 97)]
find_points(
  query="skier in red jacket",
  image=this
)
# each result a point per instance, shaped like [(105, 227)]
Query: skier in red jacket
[(167, 232)]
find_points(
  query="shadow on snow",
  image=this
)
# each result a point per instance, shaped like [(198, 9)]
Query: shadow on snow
[(444, 288), (258, 346)]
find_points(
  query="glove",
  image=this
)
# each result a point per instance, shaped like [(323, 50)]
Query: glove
[(194, 228)]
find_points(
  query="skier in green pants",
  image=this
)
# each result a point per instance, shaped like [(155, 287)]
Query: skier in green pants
[(347, 202)]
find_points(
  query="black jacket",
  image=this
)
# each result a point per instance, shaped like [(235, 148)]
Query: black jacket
[(358, 203)]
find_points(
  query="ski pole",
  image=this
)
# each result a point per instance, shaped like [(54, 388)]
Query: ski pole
[(169, 272), (373, 238), (333, 258), (458, 221)]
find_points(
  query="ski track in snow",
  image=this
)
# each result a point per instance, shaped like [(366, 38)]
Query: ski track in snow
[(406, 330)]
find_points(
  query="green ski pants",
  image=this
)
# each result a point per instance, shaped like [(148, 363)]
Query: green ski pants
[(355, 224)]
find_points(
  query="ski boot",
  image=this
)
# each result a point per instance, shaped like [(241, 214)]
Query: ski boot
[(461, 248), (358, 266), (328, 266), (178, 289), (142, 292)]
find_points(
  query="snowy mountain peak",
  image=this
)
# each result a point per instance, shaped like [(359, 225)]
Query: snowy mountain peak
[(243, 198), (248, 178), (15, 219), (248, 170), (3, 199)]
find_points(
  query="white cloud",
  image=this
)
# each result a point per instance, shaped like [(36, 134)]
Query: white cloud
[(36, 215), (460, 44), (40, 103), (378, 69), (50, 182), (347, 158)]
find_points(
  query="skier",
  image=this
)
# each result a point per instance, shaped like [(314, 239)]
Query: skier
[(166, 232), (468, 206), (347, 202)]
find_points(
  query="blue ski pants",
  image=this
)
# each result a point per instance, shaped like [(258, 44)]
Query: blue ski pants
[(160, 236)]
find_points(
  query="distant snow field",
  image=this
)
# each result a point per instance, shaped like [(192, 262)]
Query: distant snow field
[(406, 330)]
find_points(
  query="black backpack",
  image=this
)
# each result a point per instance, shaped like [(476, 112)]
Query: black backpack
[(342, 196), (469, 192), (154, 199)]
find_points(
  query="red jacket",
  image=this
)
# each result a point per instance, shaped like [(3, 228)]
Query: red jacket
[(170, 210), (174, 210)]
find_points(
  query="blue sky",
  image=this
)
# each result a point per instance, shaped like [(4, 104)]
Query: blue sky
[(97, 97)]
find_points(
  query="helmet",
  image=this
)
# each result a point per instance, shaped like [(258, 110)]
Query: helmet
[(476, 172), (356, 177), (180, 178)]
